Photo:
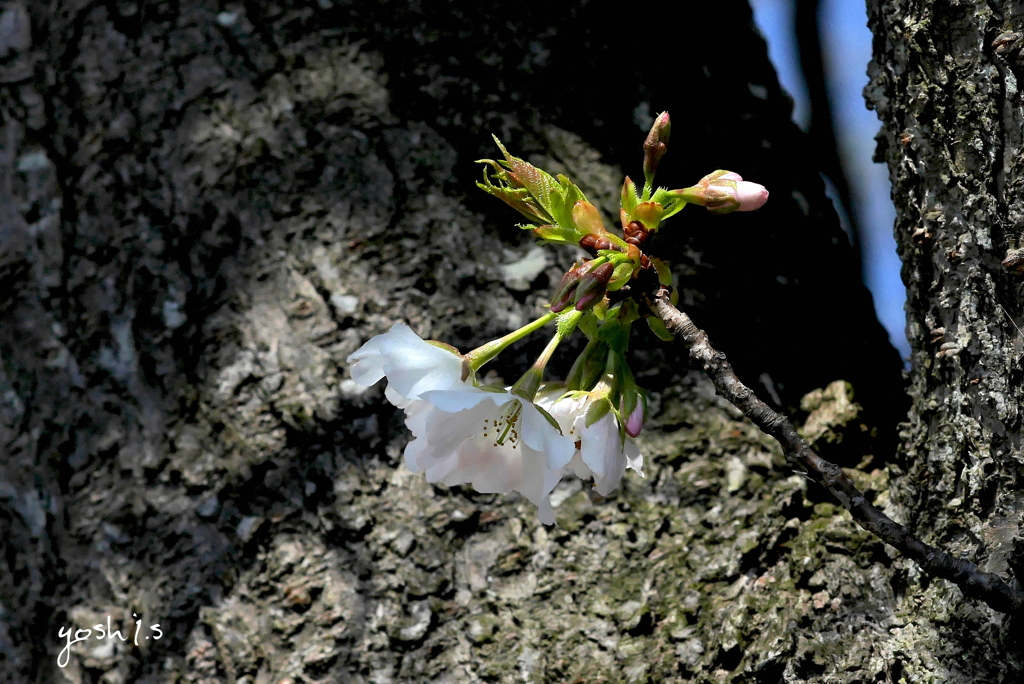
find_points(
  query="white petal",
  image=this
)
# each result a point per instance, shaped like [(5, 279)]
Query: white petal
[(414, 453), (494, 468), (612, 478), (603, 453), (463, 398), (419, 417), (568, 406), (445, 433), (449, 444), (367, 362), (600, 444), (538, 483), (578, 468), (538, 434), (392, 395), (488, 468), (562, 412), (414, 366), (440, 472), (634, 459), (425, 451), (545, 512), (548, 394)]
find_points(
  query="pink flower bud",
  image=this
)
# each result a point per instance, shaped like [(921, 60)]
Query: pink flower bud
[(633, 409), (728, 192), (567, 288), (656, 145), (593, 286), (751, 196)]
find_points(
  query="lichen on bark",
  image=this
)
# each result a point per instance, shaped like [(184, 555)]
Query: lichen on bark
[(951, 117)]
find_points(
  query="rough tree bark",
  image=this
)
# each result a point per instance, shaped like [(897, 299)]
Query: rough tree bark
[(205, 207), (944, 83)]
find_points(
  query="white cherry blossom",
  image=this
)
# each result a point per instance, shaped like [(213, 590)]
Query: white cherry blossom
[(494, 441), (601, 451), (411, 365)]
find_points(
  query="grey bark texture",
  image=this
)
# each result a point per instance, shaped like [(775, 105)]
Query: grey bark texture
[(205, 207), (944, 83)]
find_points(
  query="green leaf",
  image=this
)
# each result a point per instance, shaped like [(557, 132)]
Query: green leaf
[(549, 418), (510, 198), (555, 234), (597, 410), (674, 208), (545, 189), (672, 202), (657, 327), (567, 322), (663, 196), (629, 198), (516, 197), (569, 195), (540, 184)]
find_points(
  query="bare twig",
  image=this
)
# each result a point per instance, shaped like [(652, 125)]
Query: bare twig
[(973, 582)]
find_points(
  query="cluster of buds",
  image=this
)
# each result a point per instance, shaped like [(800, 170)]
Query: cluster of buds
[(589, 281), (565, 216), (527, 436), (583, 284)]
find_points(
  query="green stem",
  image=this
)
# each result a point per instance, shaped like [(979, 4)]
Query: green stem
[(691, 195), (577, 374), (609, 382), (616, 240), (527, 386), (481, 355)]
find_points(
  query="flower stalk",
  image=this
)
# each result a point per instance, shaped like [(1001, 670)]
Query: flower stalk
[(481, 355), (527, 385)]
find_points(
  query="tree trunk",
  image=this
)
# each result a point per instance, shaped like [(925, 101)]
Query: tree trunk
[(944, 83), (205, 208)]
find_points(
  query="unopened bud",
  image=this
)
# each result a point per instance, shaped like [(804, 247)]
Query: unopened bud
[(649, 213), (567, 288), (633, 410), (656, 145), (723, 192), (635, 233), (587, 218), (593, 285), (751, 195), (725, 196), (592, 243), (621, 275)]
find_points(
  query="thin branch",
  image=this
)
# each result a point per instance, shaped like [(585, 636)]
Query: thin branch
[(973, 582)]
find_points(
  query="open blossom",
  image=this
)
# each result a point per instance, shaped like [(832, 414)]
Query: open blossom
[(411, 365), (494, 441), (601, 452)]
